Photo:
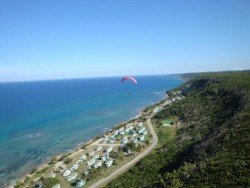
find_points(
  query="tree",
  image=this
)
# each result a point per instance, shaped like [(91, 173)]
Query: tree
[(53, 160), (113, 154), (63, 157), (175, 120), (68, 160), (138, 148), (33, 171), (19, 184), (94, 173), (130, 146)]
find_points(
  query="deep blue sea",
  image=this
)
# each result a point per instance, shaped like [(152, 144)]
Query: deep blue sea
[(41, 119)]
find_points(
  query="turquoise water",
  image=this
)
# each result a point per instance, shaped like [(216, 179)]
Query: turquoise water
[(41, 119)]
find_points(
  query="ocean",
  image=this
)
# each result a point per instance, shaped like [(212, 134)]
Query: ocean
[(41, 119)]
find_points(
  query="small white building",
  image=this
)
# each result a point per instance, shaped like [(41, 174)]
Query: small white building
[(80, 161), (141, 138), (66, 173), (105, 157), (140, 124), (109, 162), (98, 164), (72, 176), (129, 152), (167, 102), (156, 109), (124, 141), (98, 148), (74, 167), (91, 162), (109, 149), (101, 139), (178, 91), (80, 183), (56, 186), (134, 134), (83, 157), (178, 98), (175, 92), (96, 156), (86, 172), (91, 153), (145, 132), (116, 132), (121, 129), (111, 140), (141, 130), (127, 130), (51, 175), (106, 138), (134, 140)]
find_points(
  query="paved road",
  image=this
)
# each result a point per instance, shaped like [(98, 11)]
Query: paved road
[(131, 163)]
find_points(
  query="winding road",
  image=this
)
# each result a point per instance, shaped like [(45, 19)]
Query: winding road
[(131, 163)]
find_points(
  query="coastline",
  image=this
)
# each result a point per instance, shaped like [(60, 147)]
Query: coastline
[(86, 143), (139, 114)]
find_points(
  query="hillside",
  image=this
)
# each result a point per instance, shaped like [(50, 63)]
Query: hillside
[(209, 146)]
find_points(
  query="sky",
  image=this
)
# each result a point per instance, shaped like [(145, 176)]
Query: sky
[(58, 39)]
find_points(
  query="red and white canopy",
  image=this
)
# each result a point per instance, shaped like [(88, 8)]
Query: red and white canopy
[(132, 79)]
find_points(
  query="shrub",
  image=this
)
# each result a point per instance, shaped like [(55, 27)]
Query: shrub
[(68, 160), (33, 171)]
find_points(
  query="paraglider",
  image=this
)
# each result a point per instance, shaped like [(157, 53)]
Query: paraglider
[(130, 78)]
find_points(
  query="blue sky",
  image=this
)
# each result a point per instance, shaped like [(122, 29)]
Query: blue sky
[(53, 39)]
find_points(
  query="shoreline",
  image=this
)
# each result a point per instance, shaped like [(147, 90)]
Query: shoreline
[(141, 113), (85, 143)]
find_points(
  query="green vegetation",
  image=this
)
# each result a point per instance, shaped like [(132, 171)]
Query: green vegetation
[(19, 184), (53, 161), (130, 146), (68, 160), (210, 146), (36, 174), (95, 173), (116, 155), (33, 171), (49, 182), (63, 157), (167, 122)]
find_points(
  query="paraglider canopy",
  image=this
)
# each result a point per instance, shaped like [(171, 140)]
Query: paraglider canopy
[(132, 79)]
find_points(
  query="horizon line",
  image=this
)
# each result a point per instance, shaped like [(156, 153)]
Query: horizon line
[(78, 78)]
